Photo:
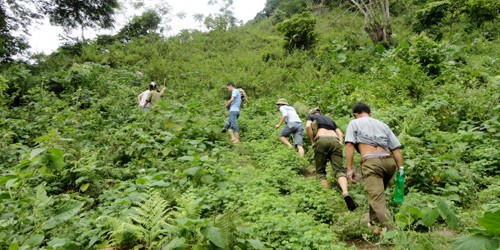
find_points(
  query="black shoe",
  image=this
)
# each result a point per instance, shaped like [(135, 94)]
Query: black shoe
[(351, 205), (224, 130)]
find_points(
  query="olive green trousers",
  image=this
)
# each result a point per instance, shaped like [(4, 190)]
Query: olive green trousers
[(376, 176)]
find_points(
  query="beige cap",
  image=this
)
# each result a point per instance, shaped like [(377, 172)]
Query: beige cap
[(282, 101)]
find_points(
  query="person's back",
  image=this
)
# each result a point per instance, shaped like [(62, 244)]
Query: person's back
[(143, 96), (290, 114), (372, 132), (154, 98)]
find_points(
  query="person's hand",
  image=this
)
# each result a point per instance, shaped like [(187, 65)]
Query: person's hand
[(276, 126), (351, 176)]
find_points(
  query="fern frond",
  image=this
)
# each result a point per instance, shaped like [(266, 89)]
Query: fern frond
[(188, 207), (226, 223), (147, 224)]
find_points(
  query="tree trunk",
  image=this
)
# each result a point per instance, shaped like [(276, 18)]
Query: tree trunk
[(380, 34)]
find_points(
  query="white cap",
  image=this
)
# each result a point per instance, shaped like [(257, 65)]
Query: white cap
[(153, 85)]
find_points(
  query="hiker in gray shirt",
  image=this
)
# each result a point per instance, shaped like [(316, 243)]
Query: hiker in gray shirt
[(381, 157)]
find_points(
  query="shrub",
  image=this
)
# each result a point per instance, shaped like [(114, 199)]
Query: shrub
[(299, 31), (431, 15)]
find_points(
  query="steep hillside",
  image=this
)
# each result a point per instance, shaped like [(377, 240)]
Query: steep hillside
[(84, 167)]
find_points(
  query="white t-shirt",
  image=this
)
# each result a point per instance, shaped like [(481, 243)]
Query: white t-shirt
[(144, 96), (289, 113)]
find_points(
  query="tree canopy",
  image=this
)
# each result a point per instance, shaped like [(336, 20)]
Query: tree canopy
[(17, 16)]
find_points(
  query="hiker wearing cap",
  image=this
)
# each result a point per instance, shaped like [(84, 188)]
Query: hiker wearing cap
[(293, 126), (327, 145), (233, 104), (154, 96), (381, 156)]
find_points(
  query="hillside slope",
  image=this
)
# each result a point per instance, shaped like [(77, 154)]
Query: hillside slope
[(83, 167)]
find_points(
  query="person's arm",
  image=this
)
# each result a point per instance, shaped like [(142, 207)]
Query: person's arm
[(339, 135), (228, 103), (139, 98), (309, 130), (349, 158), (282, 119), (398, 157), (163, 90)]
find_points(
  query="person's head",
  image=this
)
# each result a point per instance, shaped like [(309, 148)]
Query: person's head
[(230, 86), (315, 111), (360, 108), (281, 102), (152, 86)]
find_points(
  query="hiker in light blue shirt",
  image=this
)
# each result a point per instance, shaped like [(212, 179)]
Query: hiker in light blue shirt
[(233, 104)]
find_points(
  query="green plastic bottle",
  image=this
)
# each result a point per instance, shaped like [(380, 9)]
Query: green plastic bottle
[(399, 189)]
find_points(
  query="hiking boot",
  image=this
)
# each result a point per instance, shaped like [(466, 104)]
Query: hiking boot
[(351, 205)]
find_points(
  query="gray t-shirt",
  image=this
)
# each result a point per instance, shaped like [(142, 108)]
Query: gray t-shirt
[(367, 130)]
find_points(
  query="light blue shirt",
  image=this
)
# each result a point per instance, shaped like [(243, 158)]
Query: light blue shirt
[(235, 106)]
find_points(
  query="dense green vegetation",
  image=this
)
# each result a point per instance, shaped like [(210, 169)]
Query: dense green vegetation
[(83, 167)]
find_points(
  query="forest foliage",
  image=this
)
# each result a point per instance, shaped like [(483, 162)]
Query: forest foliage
[(82, 167)]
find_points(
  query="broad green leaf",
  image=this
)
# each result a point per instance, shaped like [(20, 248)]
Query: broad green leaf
[(35, 240), (256, 244), (186, 158), (41, 195), (56, 157), (10, 183), (491, 222), (80, 179), (476, 242), (66, 212), (166, 151), (215, 236), (57, 242), (23, 165), (159, 183), (177, 243), (141, 181), (84, 187), (194, 142), (404, 218), (36, 152), (415, 212), (5, 178), (429, 216), (14, 245), (205, 158), (192, 171), (448, 214)]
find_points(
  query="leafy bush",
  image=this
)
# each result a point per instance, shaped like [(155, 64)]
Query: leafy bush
[(481, 11), (299, 31), (431, 15)]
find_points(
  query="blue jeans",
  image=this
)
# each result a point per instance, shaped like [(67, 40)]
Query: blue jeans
[(232, 122), (296, 129)]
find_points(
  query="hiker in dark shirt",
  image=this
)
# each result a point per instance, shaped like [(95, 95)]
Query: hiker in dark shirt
[(327, 145)]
